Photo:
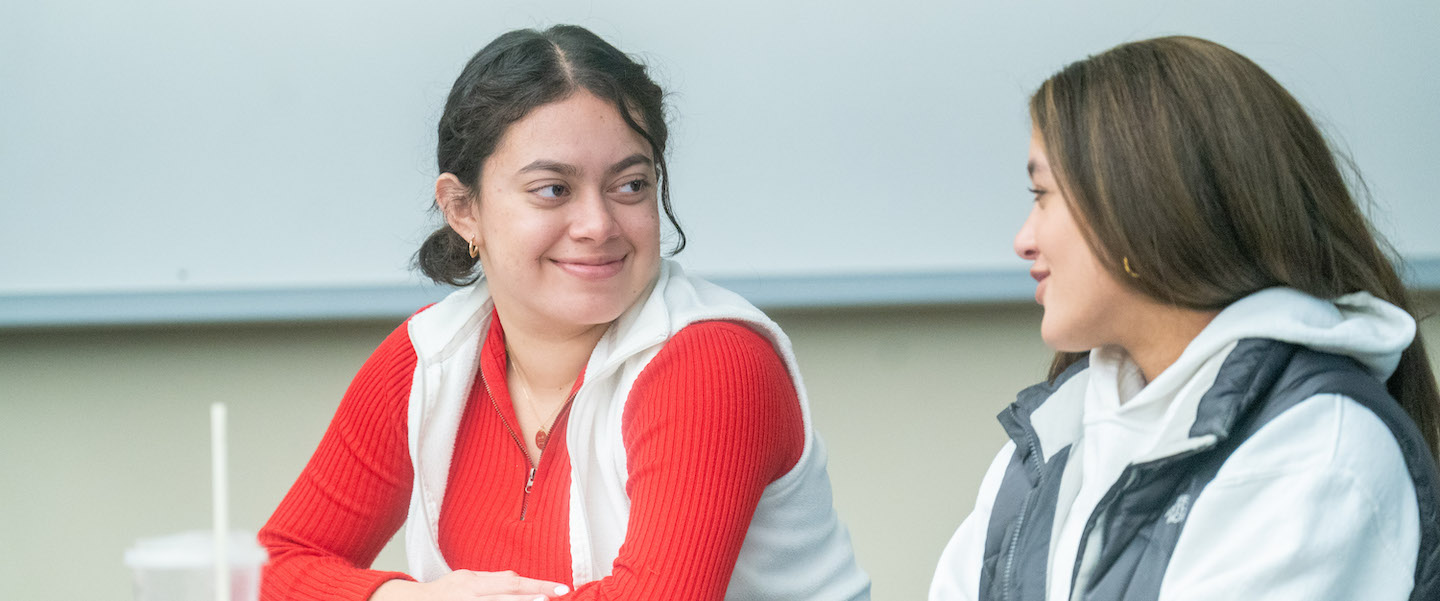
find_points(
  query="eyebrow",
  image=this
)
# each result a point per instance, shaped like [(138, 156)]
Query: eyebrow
[(1030, 167), (631, 161), (565, 169), (568, 170)]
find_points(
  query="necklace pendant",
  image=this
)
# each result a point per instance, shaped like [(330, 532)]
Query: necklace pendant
[(541, 437)]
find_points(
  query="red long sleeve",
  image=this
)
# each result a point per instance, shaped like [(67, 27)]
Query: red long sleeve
[(354, 492), (711, 421)]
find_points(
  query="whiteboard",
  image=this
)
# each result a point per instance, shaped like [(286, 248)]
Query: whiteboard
[(175, 155)]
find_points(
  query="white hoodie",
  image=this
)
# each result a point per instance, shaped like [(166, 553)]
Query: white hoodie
[(1316, 505)]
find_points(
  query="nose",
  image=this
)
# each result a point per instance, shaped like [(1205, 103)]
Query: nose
[(593, 218), (1025, 239)]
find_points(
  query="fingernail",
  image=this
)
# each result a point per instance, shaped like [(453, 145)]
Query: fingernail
[(562, 589), (542, 598)]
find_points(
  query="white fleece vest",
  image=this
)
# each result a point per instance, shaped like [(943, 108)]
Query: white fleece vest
[(796, 547)]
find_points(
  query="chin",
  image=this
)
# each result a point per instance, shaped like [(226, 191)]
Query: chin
[(603, 302), (1062, 340), (593, 311)]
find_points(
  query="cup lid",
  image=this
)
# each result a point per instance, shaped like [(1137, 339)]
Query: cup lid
[(193, 549)]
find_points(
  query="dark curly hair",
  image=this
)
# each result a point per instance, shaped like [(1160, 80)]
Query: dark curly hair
[(511, 76)]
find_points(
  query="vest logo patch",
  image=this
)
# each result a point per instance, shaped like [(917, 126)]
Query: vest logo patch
[(1178, 511)]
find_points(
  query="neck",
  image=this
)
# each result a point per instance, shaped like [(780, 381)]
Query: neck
[(1162, 336), (551, 358)]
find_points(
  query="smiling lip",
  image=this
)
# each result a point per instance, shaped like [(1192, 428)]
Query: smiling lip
[(592, 269), (1040, 284)]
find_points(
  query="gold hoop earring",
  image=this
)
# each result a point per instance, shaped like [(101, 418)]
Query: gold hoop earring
[(1125, 262), (474, 250)]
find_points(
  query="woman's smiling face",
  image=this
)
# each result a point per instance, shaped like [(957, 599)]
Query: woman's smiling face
[(1083, 301), (567, 222)]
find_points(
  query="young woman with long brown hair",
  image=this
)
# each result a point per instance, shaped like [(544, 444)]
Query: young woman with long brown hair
[(1240, 407)]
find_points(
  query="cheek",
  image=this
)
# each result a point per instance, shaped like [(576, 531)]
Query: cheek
[(1087, 308), (1074, 301), (642, 226), (514, 248), (522, 229), (1059, 300)]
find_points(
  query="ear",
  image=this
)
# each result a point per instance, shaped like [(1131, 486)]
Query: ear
[(458, 205)]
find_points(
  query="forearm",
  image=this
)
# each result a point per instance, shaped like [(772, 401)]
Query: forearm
[(306, 576), (396, 590), (321, 546)]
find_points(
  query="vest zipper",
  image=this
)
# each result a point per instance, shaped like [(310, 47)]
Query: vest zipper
[(1007, 583)]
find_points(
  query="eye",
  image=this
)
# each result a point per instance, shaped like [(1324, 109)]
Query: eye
[(633, 189), (551, 191), (1038, 192)]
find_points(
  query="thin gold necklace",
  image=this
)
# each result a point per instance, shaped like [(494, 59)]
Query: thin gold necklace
[(542, 436)]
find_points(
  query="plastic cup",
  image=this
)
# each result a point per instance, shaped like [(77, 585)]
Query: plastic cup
[(181, 567)]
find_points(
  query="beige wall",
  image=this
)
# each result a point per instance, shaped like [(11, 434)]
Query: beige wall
[(104, 433)]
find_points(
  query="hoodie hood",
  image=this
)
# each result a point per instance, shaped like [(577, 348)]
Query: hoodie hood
[(1358, 325)]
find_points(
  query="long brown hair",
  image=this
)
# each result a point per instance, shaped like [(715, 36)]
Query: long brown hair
[(1190, 162)]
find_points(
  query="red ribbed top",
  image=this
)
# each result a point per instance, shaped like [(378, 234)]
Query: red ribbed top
[(711, 421)]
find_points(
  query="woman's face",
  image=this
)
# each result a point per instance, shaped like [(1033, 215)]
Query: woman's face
[(567, 222), (1084, 304)]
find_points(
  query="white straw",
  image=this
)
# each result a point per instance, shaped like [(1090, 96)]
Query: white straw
[(219, 487)]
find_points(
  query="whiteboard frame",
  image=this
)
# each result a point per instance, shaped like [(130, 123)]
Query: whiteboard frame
[(395, 302)]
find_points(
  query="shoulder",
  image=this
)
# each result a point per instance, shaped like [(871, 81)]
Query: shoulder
[(386, 375), (1324, 433), (1317, 503), (717, 387), (991, 483), (395, 352), (1325, 453), (712, 369), (731, 336), (717, 349)]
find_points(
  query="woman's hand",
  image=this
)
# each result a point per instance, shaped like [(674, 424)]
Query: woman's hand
[(471, 586)]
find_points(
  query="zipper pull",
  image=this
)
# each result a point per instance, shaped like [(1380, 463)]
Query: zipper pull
[(530, 481)]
